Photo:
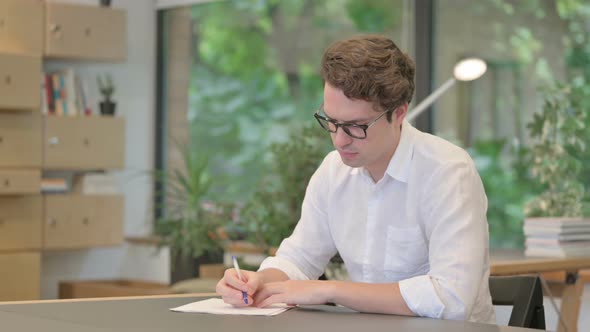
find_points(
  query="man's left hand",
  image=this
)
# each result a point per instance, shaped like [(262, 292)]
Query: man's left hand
[(293, 292)]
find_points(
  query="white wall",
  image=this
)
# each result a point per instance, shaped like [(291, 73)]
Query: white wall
[(135, 96)]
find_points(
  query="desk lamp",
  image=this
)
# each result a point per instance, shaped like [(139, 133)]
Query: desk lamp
[(465, 70)]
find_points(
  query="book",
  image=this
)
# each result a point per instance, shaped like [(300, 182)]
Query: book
[(81, 102), (557, 222), (557, 251), (561, 236), (547, 231), (546, 227), (57, 94), (63, 93), (49, 94), (44, 103), (581, 241), (53, 185), (69, 84)]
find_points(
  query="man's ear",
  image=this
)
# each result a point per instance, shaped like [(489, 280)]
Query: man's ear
[(400, 114)]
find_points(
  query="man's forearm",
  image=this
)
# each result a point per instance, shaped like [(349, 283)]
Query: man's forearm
[(272, 275), (364, 297)]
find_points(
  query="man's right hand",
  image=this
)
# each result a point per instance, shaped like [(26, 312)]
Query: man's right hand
[(230, 287)]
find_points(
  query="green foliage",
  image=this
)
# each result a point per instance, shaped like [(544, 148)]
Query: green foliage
[(373, 15), (191, 225), (557, 164), (571, 8), (275, 207), (580, 99), (105, 86), (525, 46), (559, 134), (576, 14), (507, 187), (240, 93)]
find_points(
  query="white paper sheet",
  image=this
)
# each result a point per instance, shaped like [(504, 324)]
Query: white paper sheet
[(218, 307)]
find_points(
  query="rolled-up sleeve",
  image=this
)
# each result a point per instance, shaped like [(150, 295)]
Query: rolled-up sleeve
[(453, 207)]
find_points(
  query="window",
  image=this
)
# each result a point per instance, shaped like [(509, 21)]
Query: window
[(240, 75), (526, 44)]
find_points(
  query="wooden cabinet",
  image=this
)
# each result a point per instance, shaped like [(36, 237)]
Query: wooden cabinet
[(20, 222), (20, 275), (20, 181), (20, 82), (30, 143), (84, 143), (21, 26), (83, 221), (78, 31), (20, 139)]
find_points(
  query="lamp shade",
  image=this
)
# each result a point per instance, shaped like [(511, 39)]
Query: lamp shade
[(469, 69)]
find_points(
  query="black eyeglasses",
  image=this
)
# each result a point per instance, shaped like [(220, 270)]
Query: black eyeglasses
[(353, 130)]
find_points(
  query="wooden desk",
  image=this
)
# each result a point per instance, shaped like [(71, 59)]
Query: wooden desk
[(152, 314), (511, 262)]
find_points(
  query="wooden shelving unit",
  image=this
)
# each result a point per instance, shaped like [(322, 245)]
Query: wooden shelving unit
[(32, 31)]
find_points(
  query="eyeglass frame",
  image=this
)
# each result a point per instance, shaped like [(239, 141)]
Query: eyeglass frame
[(345, 125)]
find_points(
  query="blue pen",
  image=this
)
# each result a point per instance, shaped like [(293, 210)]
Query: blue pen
[(237, 267)]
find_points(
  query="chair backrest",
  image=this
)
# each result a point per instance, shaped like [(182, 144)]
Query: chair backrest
[(525, 294)]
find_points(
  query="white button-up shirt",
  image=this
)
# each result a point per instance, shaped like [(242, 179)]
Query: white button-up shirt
[(423, 225)]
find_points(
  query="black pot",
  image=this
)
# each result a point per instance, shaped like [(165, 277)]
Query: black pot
[(188, 268), (107, 107), (105, 3)]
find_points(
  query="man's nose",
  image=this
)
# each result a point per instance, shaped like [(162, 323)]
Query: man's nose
[(341, 138)]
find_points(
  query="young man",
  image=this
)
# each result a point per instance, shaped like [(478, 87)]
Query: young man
[(406, 210)]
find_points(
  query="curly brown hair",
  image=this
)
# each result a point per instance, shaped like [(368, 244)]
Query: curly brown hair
[(370, 68)]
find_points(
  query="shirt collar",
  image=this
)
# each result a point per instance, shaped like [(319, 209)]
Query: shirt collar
[(399, 165)]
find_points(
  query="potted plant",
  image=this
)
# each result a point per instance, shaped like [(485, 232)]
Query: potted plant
[(106, 88), (274, 209), (558, 134), (191, 225)]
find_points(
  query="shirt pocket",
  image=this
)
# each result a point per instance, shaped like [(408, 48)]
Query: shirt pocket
[(406, 251)]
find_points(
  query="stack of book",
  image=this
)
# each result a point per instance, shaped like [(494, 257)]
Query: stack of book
[(95, 184), (63, 93), (54, 185), (557, 237)]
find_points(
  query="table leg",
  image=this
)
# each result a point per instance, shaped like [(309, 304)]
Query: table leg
[(570, 302)]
